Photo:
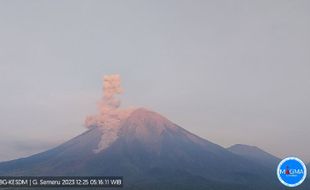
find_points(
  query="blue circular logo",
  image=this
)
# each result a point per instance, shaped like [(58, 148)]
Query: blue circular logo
[(291, 172)]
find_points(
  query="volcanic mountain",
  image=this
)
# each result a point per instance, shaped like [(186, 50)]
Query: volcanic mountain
[(150, 152)]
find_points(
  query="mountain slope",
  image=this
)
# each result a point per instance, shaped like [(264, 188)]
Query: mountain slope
[(151, 153), (68, 155)]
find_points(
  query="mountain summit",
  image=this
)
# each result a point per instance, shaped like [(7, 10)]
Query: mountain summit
[(150, 152)]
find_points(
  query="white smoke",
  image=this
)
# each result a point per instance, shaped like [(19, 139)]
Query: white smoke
[(110, 115)]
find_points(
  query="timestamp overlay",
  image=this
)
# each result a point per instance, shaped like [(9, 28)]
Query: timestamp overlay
[(60, 181)]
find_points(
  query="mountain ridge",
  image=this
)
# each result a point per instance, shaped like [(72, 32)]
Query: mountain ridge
[(255, 153)]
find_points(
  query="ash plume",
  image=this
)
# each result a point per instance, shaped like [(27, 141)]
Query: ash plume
[(110, 115)]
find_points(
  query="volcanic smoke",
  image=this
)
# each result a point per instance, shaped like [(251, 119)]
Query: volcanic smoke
[(110, 116)]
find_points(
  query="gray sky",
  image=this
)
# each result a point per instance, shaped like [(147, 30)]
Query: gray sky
[(229, 71)]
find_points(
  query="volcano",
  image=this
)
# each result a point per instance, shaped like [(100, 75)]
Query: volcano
[(150, 152)]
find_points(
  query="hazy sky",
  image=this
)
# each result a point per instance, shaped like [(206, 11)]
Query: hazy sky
[(229, 71)]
